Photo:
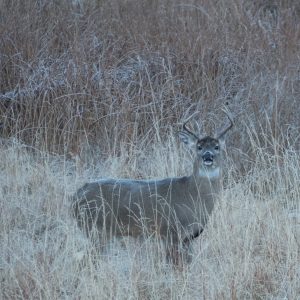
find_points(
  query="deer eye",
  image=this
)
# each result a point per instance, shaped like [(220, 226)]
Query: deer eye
[(199, 147), (217, 147)]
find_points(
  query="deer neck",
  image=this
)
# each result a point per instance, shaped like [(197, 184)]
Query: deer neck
[(205, 185), (203, 172), (210, 174), (207, 177)]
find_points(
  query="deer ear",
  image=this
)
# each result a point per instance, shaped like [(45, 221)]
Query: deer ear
[(187, 138), (222, 142)]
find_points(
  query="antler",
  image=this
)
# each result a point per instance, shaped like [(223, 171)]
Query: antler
[(224, 130), (186, 129)]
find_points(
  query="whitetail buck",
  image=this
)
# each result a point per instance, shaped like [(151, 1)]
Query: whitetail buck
[(176, 209)]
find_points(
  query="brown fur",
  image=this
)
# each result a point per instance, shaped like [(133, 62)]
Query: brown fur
[(176, 209)]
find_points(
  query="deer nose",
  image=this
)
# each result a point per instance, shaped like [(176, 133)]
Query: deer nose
[(207, 156)]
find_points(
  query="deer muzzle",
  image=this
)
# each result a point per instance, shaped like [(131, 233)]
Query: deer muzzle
[(208, 158)]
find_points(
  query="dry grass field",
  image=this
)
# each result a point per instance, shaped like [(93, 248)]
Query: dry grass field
[(94, 89)]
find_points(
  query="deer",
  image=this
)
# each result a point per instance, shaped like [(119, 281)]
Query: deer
[(176, 209)]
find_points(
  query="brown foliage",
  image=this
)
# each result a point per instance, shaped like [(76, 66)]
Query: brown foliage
[(104, 72)]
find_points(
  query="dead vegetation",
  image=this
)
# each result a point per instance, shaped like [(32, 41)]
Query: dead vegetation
[(84, 72), (97, 88)]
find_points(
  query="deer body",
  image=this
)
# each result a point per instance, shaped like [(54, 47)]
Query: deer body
[(176, 209), (161, 203)]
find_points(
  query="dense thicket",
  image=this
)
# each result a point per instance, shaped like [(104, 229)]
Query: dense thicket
[(105, 73)]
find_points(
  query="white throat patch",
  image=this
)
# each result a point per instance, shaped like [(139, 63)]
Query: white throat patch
[(210, 173)]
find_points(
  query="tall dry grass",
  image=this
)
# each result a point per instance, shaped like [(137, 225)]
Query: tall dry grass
[(107, 83), (79, 74), (249, 250)]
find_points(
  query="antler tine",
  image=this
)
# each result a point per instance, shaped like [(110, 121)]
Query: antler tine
[(224, 130), (185, 127)]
